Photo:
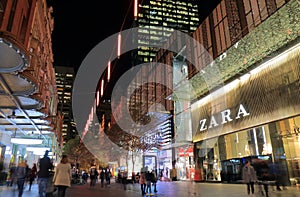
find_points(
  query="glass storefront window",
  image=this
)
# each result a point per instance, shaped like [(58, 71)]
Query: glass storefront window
[(277, 143)]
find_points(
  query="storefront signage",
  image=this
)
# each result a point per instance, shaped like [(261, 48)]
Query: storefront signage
[(226, 117), (289, 133), (180, 152)]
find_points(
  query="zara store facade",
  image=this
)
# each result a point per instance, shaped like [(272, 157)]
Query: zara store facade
[(254, 114), (255, 117)]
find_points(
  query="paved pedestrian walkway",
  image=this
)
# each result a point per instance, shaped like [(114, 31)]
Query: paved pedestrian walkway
[(165, 189), (6, 191)]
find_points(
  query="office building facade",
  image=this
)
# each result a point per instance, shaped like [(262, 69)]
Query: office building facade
[(157, 20), (64, 82)]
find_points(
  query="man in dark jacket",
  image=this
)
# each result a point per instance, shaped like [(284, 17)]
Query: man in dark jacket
[(93, 175), (148, 176), (45, 167)]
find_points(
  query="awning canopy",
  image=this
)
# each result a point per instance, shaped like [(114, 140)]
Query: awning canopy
[(20, 109)]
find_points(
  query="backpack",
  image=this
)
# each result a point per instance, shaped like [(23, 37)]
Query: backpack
[(102, 175), (152, 178), (93, 171)]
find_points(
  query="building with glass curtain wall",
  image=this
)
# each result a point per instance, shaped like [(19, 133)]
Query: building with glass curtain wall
[(158, 18), (64, 82), (156, 21)]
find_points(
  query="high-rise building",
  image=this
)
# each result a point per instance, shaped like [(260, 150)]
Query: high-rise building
[(157, 20), (64, 81)]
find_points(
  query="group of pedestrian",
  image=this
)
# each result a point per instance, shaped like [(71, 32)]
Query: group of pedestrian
[(58, 180), (146, 180), (104, 175), (264, 175), (21, 174)]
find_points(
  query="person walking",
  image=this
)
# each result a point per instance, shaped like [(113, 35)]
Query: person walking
[(107, 176), (154, 180), (21, 172), (102, 177), (249, 177), (62, 176), (12, 174), (45, 166), (266, 176), (93, 175), (124, 179), (148, 182), (32, 175), (142, 182)]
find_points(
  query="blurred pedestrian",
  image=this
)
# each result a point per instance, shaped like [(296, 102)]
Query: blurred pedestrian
[(249, 177), (154, 180), (84, 176), (93, 175), (12, 174), (142, 182), (32, 175), (107, 176), (174, 174), (124, 179), (21, 172), (45, 166), (62, 176), (133, 177), (282, 175), (148, 182), (102, 177), (265, 176)]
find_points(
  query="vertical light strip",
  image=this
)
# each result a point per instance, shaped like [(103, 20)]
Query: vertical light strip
[(92, 114), (255, 142), (237, 138), (95, 107), (108, 70), (102, 87), (264, 135), (119, 45), (135, 10), (98, 98)]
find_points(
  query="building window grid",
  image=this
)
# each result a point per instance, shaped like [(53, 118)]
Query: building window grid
[(219, 16), (257, 11)]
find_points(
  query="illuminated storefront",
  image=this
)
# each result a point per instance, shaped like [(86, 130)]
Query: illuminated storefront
[(185, 163), (255, 117)]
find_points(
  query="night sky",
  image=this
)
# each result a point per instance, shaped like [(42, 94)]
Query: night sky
[(81, 25)]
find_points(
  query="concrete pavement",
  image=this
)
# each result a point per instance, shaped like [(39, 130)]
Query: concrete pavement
[(165, 189)]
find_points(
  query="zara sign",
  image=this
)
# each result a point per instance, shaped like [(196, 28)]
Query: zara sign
[(225, 117)]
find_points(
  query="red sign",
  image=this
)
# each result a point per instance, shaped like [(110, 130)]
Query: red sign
[(180, 152), (190, 152)]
